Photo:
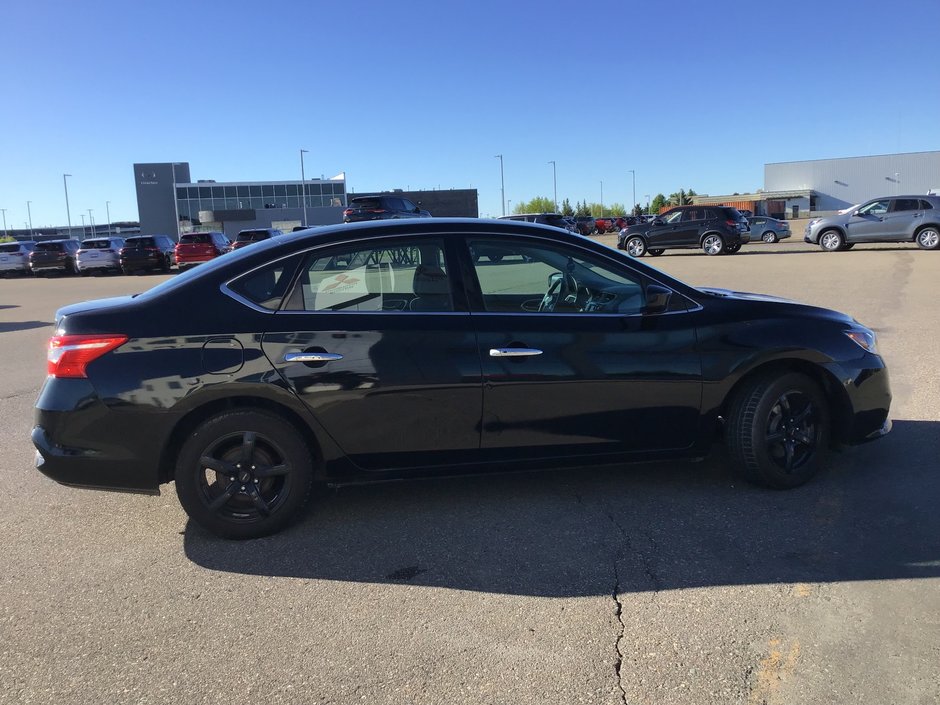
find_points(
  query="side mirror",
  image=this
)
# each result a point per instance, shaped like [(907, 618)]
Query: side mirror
[(657, 299), (656, 221)]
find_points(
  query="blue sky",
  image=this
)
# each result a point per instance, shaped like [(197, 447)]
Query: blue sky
[(424, 94)]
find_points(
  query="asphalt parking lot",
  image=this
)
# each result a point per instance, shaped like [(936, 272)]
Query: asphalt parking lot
[(666, 583)]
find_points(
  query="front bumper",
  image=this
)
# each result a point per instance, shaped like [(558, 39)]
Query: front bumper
[(867, 390)]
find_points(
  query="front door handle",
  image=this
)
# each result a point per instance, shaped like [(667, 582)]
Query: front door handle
[(514, 352), (311, 357)]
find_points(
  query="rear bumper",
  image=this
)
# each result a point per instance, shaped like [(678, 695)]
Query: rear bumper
[(150, 262), (49, 266), (14, 266), (99, 263)]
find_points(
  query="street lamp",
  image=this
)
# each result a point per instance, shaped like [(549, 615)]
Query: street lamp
[(4, 221), (554, 185), (107, 208), (502, 183), (30, 213), (602, 198), (634, 189), (68, 213), (84, 235), (509, 205), (303, 184), (91, 223)]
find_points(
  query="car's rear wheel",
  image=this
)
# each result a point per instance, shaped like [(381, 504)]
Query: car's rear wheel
[(831, 241), (657, 251), (769, 237), (778, 430), (713, 244), (635, 246), (928, 238), (244, 474)]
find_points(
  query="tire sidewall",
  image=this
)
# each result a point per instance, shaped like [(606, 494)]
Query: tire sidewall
[(291, 443), (928, 229), (822, 237), (635, 238)]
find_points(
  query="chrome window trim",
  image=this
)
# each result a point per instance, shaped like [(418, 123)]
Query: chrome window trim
[(226, 289)]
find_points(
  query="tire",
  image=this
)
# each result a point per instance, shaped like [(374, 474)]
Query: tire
[(165, 267), (778, 430), (831, 240), (656, 252), (769, 237), (245, 504), (635, 246), (929, 238), (848, 246), (713, 244), (731, 249)]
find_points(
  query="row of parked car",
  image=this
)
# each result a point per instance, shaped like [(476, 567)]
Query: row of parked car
[(128, 255)]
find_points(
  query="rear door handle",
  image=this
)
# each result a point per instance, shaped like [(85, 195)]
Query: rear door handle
[(514, 352), (311, 357)]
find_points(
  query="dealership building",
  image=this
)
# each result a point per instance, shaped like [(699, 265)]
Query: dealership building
[(824, 186), (169, 202)]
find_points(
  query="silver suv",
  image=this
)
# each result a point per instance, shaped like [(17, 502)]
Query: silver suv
[(887, 219)]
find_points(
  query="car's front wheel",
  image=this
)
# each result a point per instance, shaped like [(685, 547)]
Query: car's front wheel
[(244, 474), (713, 245), (831, 241), (635, 246), (778, 430), (929, 238)]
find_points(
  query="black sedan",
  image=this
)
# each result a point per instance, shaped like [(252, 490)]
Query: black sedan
[(388, 350)]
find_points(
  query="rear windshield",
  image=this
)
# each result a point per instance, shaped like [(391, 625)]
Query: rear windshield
[(140, 242), (10, 247), (366, 203), (555, 220), (196, 239), (49, 246), (253, 236), (96, 244), (733, 214)]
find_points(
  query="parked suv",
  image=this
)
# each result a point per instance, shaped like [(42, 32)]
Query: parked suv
[(14, 257), (246, 237), (149, 252), (99, 253), (585, 224), (716, 229), (887, 219), (53, 256), (556, 220), (196, 248), (381, 208)]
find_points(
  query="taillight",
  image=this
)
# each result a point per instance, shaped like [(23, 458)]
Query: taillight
[(70, 354), (732, 223), (348, 211), (377, 210)]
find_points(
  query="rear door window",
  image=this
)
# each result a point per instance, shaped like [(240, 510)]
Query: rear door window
[(905, 204), (139, 242)]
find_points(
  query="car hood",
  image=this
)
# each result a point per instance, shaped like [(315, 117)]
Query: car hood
[(764, 299), (93, 305)]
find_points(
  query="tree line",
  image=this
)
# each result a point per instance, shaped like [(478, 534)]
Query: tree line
[(542, 204)]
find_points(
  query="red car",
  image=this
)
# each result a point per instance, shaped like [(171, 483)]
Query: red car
[(196, 248)]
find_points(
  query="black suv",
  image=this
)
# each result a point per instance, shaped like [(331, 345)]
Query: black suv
[(54, 256), (716, 229), (381, 208), (148, 252)]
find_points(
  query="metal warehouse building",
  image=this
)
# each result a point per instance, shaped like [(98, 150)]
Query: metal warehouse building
[(798, 189)]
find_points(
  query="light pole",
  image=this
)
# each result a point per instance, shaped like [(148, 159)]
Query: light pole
[(83, 225), (647, 197), (91, 223), (509, 205), (303, 185), (4, 221), (634, 190), (602, 199), (30, 214), (176, 203), (68, 213), (107, 208), (502, 183), (554, 185)]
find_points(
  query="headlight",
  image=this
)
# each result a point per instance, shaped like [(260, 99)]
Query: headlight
[(864, 338)]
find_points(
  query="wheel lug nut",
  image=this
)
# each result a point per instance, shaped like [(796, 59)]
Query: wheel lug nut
[(232, 478), (243, 488), (257, 480)]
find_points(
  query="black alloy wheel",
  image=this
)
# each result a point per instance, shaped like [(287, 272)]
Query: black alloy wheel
[(244, 474), (778, 430)]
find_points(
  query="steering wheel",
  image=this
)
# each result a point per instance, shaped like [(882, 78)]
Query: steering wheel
[(560, 290)]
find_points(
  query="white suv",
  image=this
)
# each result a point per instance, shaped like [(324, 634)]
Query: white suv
[(99, 253), (14, 257)]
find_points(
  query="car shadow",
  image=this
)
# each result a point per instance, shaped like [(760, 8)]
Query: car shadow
[(871, 516), (23, 325)]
